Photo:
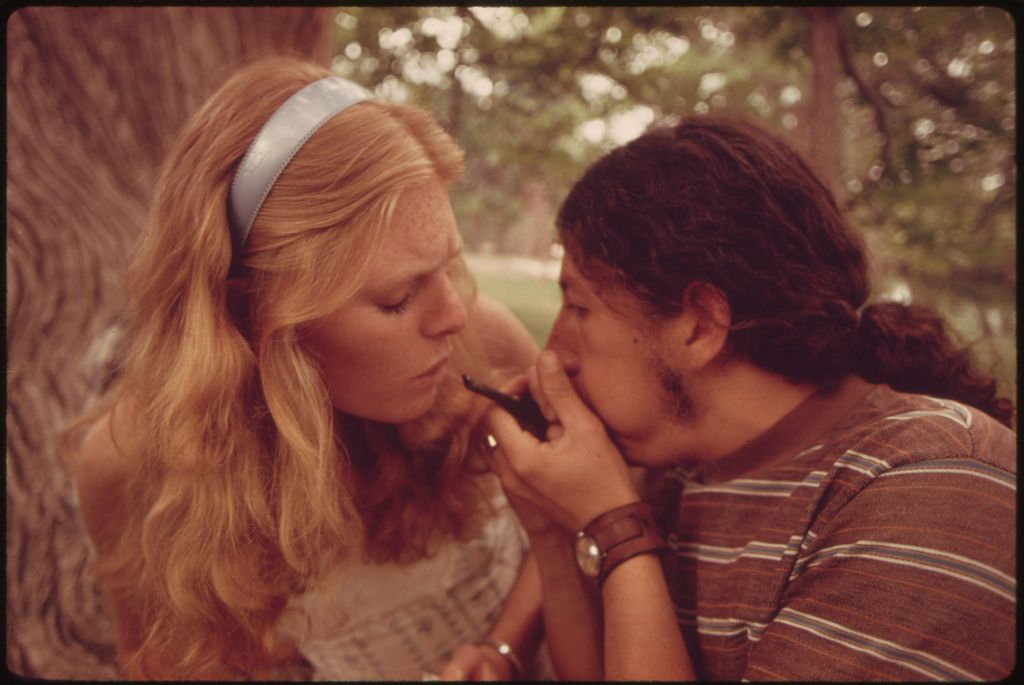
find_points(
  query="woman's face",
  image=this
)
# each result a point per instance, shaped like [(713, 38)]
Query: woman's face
[(385, 352)]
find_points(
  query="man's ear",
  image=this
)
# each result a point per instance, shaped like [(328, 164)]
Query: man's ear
[(699, 332)]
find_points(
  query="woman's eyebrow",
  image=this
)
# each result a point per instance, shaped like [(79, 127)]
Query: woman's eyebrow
[(416, 274)]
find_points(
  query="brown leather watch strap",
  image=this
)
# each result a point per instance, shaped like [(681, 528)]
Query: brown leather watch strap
[(642, 509), (650, 542), (623, 533), (618, 531)]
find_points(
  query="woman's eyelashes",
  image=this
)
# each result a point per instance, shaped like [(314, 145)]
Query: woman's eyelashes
[(449, 273), (395, 304), (398, 307)]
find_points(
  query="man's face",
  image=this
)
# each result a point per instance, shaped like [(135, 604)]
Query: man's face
[(620, 367)]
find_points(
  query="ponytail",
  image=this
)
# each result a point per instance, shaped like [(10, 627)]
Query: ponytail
[(909, 348)]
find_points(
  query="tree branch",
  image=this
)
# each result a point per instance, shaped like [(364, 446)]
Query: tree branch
[(869, 94)]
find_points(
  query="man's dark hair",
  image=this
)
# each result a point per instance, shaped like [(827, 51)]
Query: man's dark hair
[(720, 201)]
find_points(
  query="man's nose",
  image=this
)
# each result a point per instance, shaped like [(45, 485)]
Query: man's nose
[(561, 342)]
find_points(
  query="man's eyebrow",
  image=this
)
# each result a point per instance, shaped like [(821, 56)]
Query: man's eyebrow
[(569, 284), (579, 287)]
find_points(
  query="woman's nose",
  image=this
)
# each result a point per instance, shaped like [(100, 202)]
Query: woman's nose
[(450, 315)]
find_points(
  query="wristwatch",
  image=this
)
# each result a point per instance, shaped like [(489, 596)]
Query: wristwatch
[(617, 535)]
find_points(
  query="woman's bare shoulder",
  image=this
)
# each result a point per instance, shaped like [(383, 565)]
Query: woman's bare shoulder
[(100, 468), (509, 345), (100, 457)]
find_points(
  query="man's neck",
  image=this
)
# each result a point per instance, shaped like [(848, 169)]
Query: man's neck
[(736, 402), (744, 401)]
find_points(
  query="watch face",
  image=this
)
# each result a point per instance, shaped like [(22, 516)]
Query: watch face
[(588, 555)]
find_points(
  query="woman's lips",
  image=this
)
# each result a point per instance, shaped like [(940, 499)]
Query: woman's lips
[(434, 370)]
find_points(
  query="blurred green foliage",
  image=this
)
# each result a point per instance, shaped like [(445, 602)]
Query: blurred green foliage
[(926, 136)]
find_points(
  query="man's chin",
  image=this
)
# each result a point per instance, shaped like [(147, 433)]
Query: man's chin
[(631, 450), (645, 451)]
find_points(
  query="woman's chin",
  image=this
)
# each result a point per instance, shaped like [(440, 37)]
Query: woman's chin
[(412, 407), (399, 407)]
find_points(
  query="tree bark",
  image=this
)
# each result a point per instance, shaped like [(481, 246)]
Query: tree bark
[(822, 144), (95, 96)]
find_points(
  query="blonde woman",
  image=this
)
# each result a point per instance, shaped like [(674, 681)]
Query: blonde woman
[(288, 462)]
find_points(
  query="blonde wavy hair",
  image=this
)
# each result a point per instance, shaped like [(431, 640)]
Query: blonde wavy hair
[(245, 485)]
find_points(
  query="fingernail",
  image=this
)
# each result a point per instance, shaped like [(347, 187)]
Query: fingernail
[(548, 361)]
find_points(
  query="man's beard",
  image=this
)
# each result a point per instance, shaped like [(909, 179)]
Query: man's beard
[(680, 405), (678, 389)]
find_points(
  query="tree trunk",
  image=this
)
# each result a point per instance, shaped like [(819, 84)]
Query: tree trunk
[(532, 234), (95, 96), (822, 144)]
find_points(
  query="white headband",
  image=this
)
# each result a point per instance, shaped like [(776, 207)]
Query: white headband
[(281, 137)]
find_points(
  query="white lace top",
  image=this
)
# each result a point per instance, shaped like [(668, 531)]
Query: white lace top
[(397, 622)]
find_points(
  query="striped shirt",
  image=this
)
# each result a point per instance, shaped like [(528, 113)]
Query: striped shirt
[(869, 535)]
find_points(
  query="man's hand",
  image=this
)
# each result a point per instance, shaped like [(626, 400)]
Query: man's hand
[(578, 473), (534, 521)]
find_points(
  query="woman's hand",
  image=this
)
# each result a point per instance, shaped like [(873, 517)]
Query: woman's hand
[(577, 474), (477, 662)]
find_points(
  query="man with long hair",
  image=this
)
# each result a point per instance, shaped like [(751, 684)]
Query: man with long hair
[(829, 485)]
